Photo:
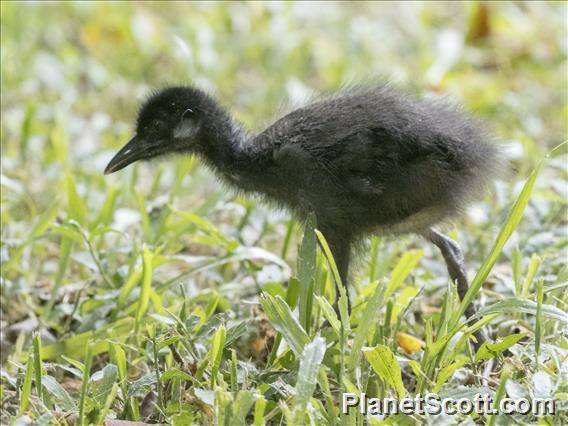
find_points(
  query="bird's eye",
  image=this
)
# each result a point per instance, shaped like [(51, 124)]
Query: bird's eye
[(187, 113)]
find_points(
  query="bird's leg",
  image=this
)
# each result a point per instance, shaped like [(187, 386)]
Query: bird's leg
[(455, 263)]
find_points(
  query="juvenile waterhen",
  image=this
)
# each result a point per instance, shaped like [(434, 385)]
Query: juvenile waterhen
[(365, 160)]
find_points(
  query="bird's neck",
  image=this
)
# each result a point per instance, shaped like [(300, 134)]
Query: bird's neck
[(225, 144)]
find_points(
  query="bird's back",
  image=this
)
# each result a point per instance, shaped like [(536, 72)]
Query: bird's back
[(376, 158)]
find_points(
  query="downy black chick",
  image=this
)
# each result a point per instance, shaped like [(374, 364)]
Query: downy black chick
[(365, 160)]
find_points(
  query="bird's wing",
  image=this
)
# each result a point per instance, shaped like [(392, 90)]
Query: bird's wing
[(366, 160)]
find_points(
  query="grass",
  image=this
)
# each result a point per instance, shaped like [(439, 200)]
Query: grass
[(157, 296)]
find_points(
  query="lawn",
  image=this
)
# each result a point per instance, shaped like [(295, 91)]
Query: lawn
[(156, 295)]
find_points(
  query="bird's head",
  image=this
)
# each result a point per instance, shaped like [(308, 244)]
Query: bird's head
[(170, 121)]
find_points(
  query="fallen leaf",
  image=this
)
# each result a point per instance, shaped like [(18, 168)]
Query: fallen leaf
[(408, 343)]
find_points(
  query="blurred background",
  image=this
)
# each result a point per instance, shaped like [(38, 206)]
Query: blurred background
[(73, 75)]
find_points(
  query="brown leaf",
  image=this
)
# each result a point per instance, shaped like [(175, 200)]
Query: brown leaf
[(480, 23), (148, 405), (265, 334)]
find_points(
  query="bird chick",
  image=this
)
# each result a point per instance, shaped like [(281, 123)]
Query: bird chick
[(367, 160)]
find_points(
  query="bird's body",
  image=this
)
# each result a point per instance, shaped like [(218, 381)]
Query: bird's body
[(370, 161), (365, 160)]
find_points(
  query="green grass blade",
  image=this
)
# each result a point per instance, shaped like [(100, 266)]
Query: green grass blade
[(407, 263), (403, 301), (516, 266), (142, 208), (121, 363), (329, 258), (108, 404), (367, 325), (74, 346), (306, 272), (538, 330), (342, 302), (373, 258), (206, 227), (292, 296), (329, 314), (241, 407), (501, 392), (131, 282), (446, 373), (216, 353), (44, 221), (282, 319), (85, 384), (234, 369), (514, 305), (76, 208), (289, 233), (384, 363), (491, 350), (259, 407), (64, 258), (38, 364), (441, 344), (310, 361), (102, 386), (107, 210), (531, 272), (511, 223), (26, 386), (59, 394), (144, 299)]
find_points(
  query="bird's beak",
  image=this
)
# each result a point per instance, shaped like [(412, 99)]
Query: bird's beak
[(133, 151)]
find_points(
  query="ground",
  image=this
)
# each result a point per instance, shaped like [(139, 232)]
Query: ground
[(156, 295)]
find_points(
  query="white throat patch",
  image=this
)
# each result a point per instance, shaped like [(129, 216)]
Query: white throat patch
[(186, 129)]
